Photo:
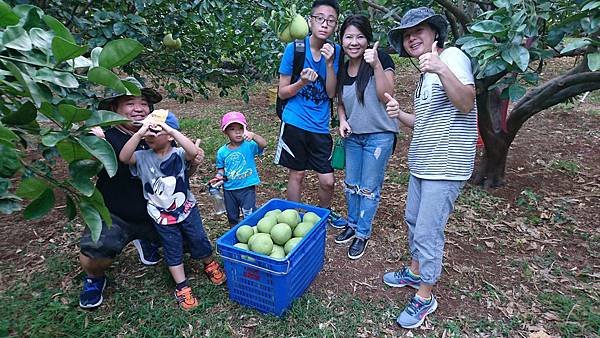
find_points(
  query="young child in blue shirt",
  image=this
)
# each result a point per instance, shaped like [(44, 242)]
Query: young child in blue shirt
[(171, 204), (236, 167)]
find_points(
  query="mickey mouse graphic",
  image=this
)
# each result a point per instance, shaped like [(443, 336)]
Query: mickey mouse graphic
[(167, 195)]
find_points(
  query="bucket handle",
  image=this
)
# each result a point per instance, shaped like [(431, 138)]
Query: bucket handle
[(287, 270)]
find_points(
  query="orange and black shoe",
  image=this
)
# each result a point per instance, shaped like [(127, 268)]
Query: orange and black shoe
[(186, 298), (214, 272)]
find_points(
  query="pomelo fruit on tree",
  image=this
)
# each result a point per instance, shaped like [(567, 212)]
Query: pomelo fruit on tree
[(298, 27), (311, 217), (266, 223), (285, 35), (302, 229), (262, 244), (281, 233), (243, 233), (289, 217)]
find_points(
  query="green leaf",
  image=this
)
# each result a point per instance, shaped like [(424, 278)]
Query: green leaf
[(16, 37), (7, 17), (478, 42), (19, 76), (40, 206), (132, 88), (591, 5), (62, 79), (492, 68), (52, 138), (71, 151), (119, 28), (91, 217), (97, 200), (102, 150), (24, 115), (41, 38), (520, 55), (95, 55), (554, 37), (72, 114), (8, 135), (105, 77), (502, 3), (594, 61), (119, 52), (104, 118), (70, 209), (58, 28), (515, 92), (65, 50), (488, 27), (81, 173), (10, 163), (575, 44), (31, 188)]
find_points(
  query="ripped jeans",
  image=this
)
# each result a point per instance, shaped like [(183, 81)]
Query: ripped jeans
[(367, 156)]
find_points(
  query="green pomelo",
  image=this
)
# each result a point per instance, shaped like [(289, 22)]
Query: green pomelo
[(298, 27), (285, 35), (311, 217), (169, 42), (262, 244), (244, 233), (243, 246), (266, 223), (255, 229), (302, 229), (273, 212), (289, 245), (281, 233), (277, 252), (289, 217)]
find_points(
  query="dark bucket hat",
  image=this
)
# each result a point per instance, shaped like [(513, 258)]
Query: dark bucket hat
[(151, 95), (413, 18)]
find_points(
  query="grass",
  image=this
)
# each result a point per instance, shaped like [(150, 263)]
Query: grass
[(570, 167), (579, 313)]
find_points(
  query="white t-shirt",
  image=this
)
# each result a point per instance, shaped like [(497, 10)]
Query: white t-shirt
[(444, 139)]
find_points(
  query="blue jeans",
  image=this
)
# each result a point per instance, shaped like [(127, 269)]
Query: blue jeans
[(428, 205), (243, 200), (367, 156), (172, 239)]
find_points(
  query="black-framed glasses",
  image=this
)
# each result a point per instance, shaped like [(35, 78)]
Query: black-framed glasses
[(320, 20)]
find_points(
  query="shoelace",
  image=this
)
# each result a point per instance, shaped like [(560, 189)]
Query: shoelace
[(414, 306), (93, 286), (213, 270), (185, 296)]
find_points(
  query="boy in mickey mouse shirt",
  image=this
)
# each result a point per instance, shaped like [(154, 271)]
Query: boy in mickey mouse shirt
[(171, 204)]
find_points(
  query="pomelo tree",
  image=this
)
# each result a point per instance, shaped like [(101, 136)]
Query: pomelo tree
[(510, 42), (48, 84)]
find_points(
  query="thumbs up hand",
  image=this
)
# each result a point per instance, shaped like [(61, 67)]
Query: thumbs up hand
[(392, 107), (431, 62), (371, 56)]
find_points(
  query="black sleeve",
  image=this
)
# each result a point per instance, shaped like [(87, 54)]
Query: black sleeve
[(386, 60)]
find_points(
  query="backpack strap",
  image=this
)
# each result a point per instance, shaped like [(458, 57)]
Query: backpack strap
[(299, 55)]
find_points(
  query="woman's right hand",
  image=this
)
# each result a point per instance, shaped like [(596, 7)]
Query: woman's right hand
[(345, 129)]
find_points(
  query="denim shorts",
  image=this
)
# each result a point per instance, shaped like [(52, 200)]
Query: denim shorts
[(113, 239), (243, 200), (189, 230)]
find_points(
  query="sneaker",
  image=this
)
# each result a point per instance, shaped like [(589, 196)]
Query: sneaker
[(215, 273), (337, 221), (147, 251), (186, 298), (404, 277), (91, 296), (416, 311), (345, 236), (357, 248)]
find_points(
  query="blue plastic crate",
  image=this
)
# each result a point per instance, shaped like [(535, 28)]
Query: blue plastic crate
[(268, 284)]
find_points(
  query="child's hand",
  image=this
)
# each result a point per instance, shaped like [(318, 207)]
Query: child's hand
[(308, 75), (216, 180), (248, 135), (144, 128)]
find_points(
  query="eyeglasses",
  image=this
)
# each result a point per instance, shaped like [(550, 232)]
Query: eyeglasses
[(320, 20)]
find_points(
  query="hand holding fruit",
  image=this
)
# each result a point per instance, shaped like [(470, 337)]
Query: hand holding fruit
[(308, 75), (371, 56)]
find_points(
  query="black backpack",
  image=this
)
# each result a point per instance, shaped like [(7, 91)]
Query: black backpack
[(297, 66)]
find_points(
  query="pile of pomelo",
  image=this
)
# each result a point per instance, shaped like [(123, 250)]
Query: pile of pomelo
[(277, 233)]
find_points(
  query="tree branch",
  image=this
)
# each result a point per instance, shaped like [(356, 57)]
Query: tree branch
[(460, 15), (453, 25), (383, 9)]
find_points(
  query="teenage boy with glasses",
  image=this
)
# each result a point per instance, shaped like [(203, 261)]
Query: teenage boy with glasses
[(304, 139)]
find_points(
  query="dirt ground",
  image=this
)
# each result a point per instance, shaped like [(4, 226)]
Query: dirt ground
[(504, 246)]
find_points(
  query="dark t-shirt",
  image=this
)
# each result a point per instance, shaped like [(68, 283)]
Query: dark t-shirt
[(123, 193), (384, 58)]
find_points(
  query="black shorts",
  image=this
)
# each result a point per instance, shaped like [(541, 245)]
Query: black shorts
[(113, 240), (299, 149)]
